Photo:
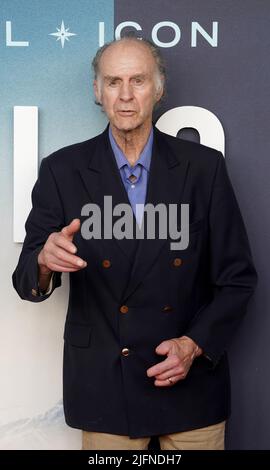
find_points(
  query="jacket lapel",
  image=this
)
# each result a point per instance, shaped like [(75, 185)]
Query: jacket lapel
[(102, 178), (165, 185)]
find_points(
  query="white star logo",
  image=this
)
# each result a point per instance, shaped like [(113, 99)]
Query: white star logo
[(62, 34)]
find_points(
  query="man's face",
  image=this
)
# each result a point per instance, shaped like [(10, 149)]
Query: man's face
[(127, 85)]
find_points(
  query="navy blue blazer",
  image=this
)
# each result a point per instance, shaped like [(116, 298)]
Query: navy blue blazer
[(133, 295)]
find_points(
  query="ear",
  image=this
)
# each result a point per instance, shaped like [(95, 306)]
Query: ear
[(158, 94), (97, 91), (159, 91)]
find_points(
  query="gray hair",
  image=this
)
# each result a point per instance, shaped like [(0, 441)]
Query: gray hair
[(155, 51)]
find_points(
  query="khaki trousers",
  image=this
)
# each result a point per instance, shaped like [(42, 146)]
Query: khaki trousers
[(209, 438)]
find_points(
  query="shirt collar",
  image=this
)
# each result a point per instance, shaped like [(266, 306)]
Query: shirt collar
[(145, 156)]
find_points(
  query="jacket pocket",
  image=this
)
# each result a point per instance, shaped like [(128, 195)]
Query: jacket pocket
[(77, 335)]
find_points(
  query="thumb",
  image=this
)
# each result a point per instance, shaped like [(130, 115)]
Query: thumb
[(69, 230), (163, 348)]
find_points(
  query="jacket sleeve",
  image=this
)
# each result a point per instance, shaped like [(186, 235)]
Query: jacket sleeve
[(232, 273), (45, 217)]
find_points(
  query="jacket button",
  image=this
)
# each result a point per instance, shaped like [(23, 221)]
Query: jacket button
[(177, 262), (106, 263), (125, 352), (124, 309), (167, 308), (34, 292)]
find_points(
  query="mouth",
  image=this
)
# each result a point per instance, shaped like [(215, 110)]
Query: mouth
[(128, 112)]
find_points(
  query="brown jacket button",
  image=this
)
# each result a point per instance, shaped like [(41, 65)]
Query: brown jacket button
[(177, 262), (106, 263), (125, 352), (167, 308), (124, 309)]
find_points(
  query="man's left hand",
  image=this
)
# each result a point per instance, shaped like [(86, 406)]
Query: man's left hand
[(181, 353)]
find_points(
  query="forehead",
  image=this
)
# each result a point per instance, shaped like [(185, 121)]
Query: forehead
[(127, 57)]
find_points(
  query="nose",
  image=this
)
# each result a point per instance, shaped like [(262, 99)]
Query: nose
[(126, 92)]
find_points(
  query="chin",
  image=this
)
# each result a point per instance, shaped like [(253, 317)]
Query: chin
[(127, 125)]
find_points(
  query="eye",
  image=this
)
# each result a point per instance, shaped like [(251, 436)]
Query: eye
[(138, 81), (113, 83)]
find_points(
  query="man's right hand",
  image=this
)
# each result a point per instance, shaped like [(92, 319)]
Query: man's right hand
[(58, 252)]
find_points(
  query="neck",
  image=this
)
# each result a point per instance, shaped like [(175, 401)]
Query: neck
[(132, 142)]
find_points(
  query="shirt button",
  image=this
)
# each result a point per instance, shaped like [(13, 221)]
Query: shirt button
[(133, 186), (177, 262), (125, 352), (106, 263), (124, 309)]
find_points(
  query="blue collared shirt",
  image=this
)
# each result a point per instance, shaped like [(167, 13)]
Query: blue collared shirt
[(136, 190)]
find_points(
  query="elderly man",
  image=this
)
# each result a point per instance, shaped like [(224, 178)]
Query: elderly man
[(147, 326)]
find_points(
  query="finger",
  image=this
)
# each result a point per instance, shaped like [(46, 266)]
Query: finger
[(163, 366), (64, 243), (170, 373), (166, 383), (63, 269), (71, 229), (61, 256), (56, 262), (163, 348)]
